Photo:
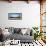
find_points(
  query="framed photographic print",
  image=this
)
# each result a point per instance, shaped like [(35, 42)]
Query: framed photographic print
[(15, 16)]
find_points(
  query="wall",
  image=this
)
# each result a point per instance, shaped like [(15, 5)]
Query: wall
[(30, 14)]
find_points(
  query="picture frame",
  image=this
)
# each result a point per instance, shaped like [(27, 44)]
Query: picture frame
[(15, 16)]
